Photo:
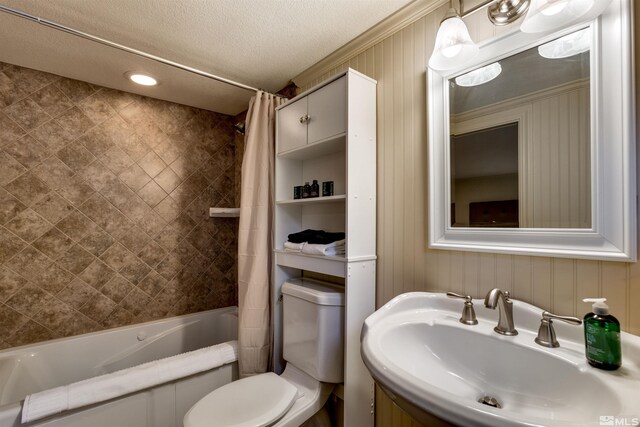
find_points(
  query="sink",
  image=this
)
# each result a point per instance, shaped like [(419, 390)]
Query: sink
[(432, 365)]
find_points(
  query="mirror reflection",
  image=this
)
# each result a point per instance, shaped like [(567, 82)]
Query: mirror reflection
[(520, 146)]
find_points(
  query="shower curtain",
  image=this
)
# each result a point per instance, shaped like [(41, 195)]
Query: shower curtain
[(255, 236)]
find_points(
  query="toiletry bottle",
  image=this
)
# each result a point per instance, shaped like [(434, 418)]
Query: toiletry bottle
[(306, 190), (602, 336), (327, 188), (315, 189)]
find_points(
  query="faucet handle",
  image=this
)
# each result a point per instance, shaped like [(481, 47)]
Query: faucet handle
[(568, 319), (468, 313), (546, 334), (454, 295)]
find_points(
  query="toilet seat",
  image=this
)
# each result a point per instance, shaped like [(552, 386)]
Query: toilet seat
[(257, 401)]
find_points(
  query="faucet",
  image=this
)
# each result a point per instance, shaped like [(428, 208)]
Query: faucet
[(498, 298)]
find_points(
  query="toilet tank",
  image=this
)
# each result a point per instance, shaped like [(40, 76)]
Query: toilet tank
[(313, 328)]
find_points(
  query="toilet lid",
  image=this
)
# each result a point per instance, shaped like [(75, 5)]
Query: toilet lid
[(256, 401)]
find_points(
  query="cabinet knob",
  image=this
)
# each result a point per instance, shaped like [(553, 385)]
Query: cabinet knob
[(305, 118)]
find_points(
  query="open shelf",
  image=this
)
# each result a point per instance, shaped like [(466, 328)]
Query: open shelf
[(333, 144), (332, 265), (313, 200), (224, 212)]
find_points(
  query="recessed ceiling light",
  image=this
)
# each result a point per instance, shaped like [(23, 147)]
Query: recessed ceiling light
[(142, 79), (479, 76)]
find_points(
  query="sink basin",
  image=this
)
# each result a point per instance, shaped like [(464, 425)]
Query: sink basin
[(432, 365)]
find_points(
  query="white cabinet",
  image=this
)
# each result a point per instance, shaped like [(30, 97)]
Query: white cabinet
[(292, 128), (327, 111), (313, 118), (336, 143)]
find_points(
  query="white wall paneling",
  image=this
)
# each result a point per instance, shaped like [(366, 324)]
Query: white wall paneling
[(405, 264)]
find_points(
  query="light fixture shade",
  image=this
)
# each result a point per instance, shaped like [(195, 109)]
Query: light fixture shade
[(547, 15), (453, 45), (566, 46), (480, 75)]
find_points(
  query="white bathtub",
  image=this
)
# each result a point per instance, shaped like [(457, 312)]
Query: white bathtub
[(29, 369)]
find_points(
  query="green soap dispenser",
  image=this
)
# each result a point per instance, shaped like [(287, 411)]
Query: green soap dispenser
[(602, 336)]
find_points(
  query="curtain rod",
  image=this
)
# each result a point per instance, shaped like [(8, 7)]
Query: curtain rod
[(82, 34)]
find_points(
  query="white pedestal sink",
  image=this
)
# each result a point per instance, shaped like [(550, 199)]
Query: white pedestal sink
[(430, 364)]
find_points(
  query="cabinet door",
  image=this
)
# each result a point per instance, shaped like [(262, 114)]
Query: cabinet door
[(328, 111), (291, 132)]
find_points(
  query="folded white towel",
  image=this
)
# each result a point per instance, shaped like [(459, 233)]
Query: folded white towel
[(333, 252), (332, 249), (115, 384), (294, 247)]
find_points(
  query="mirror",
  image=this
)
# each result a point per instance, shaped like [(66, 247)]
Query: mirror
[(499, 176), (532, 146)]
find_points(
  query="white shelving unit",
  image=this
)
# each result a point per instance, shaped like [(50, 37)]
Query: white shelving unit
[(329, 134)]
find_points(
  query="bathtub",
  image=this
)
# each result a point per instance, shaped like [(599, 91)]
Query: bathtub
[(29, 369)]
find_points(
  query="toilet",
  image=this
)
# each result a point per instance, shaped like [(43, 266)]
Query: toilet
[(313, 340)]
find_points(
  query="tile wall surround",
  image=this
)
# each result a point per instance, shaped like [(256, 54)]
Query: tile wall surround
[(104, 199), (239, 147)]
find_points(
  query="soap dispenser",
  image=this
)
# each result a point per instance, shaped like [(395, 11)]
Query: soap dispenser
[(602, 336)]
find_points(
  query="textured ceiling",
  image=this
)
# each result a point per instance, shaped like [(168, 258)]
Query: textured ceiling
[(261, 43)]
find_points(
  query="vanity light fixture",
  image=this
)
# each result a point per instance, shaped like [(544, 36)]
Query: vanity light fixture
[(141, 79), (547, 15), (454, 47), (480, 76), (566, 46), (453, 43)]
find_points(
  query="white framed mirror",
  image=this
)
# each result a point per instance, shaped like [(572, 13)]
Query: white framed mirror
[(532, 146)]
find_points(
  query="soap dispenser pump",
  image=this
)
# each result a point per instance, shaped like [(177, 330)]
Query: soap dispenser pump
[(602, 336)]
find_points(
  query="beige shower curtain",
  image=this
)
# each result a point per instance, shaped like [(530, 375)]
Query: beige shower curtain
[(256, 235)]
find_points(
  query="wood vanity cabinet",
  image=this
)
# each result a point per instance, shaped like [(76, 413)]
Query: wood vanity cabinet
[(328, 133)]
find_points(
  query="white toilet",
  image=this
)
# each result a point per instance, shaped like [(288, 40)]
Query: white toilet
[(313, 340)]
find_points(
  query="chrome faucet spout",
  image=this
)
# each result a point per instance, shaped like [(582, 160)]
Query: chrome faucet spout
[(497, 298)]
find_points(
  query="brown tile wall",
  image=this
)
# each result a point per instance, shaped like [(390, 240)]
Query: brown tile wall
[(239, 146), (104, 199)]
